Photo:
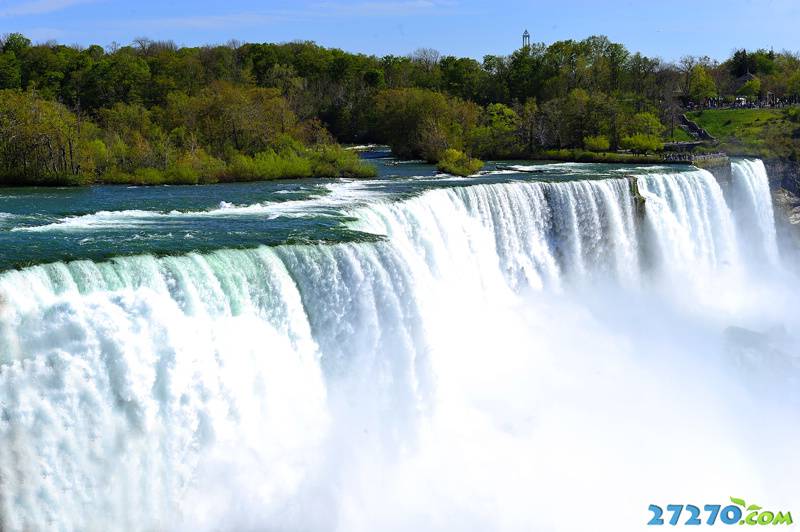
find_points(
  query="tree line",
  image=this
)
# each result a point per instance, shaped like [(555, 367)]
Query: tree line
[(153, 111)]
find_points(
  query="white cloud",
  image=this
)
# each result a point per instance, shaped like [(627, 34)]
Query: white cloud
[(37, 7)]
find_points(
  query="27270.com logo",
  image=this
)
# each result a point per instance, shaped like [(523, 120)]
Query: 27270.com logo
[(737, 513)]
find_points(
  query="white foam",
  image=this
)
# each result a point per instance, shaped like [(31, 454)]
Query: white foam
[(508, 350)]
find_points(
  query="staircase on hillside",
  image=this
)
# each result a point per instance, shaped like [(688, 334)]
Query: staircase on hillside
[(694, 130)]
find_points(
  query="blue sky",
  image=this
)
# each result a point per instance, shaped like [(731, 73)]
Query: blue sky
[(664, 28)]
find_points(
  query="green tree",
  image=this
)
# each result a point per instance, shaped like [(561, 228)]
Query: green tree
[(44, 69), (422, 123), (40, 140), (15, 42), (529, 124), (10, 77), (461, 77), (645, 124), (225, 116), (496, 135), (120, 78), (702, 85), (751, 89), (793, 84), (576, 121)]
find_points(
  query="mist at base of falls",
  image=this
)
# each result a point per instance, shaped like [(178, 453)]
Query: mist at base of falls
[(515, 356)]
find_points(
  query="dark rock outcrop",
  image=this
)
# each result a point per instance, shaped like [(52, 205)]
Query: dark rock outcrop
[(721, 169), (636, 195), (783, 174), (788, 204)]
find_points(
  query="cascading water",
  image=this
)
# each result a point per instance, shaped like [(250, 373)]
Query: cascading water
[(510, 355), (751, 198)]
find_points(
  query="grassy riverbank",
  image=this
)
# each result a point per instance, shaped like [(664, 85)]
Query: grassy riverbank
[(766, 133)]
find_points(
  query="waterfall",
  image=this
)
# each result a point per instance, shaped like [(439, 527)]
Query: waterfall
[(690, 223), (310, 386), (534, 234), (752, 200)]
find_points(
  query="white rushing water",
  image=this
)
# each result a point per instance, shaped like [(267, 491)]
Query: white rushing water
[(512, 357), (757, 221)]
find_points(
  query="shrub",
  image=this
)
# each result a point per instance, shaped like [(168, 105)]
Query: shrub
[(149, 176), (294, 161), (334, 161), (641, 143), (195, 167), (268, 165), (458, 163), (596, 143)]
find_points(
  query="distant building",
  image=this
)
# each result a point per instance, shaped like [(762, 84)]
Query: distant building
[(526, 39)]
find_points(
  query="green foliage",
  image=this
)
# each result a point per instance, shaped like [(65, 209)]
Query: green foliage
[(793, 84), (326, 161), (702, 85), (422, 123), (596, 157), (462, 77), (642, 143), (44, 143), (497, 136), (201, 114), (758, 62), (751, 89), (10, 75), (679, 135), (752, 132), (15, 43), (201, 168), (268, 165), (39, 140), (227, 117), (119, 78), (195, 167), (458, 163), (596, 143), (335, 161), (645, 124)]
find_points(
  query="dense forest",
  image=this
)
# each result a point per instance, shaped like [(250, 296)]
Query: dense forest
[(153, 112)]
